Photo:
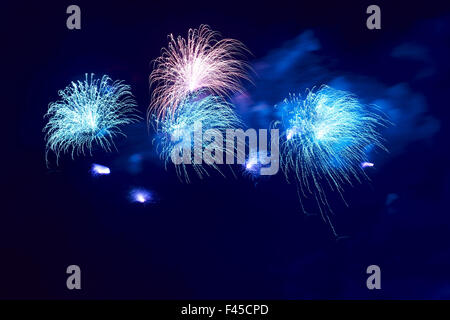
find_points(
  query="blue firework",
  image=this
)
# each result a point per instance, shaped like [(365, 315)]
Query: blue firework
[(326, 136), (89, 113), (186, 132)]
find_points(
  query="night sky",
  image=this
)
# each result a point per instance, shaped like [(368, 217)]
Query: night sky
[(233, 238)]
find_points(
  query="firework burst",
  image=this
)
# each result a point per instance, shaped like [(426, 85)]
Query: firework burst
[(326, 138), (200, 62), (187, 132), (89, 113)]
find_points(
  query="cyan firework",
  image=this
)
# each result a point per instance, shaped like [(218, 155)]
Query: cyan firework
[(191, 129), (326, 136), (89, 113)]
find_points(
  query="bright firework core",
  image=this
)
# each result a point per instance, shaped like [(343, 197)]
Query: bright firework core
[(252, 166), (252, 163)]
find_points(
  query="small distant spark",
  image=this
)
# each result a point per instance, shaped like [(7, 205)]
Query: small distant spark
[(98, 169), (141, 195), (366, 164)]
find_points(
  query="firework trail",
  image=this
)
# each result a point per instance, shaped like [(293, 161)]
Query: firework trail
[(89, 112), (188, 132), (200, 62), (326, 138)]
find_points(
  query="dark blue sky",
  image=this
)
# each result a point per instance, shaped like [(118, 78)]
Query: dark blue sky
[(227, 238)]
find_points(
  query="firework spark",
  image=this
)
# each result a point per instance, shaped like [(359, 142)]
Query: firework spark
[(89, 112), (252, 165), (200, 62), (186, 130), (141, 195), (367, 164), (326, 136), (98, 169)]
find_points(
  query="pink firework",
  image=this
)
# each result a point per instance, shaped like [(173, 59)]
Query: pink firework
[(200, 62)]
